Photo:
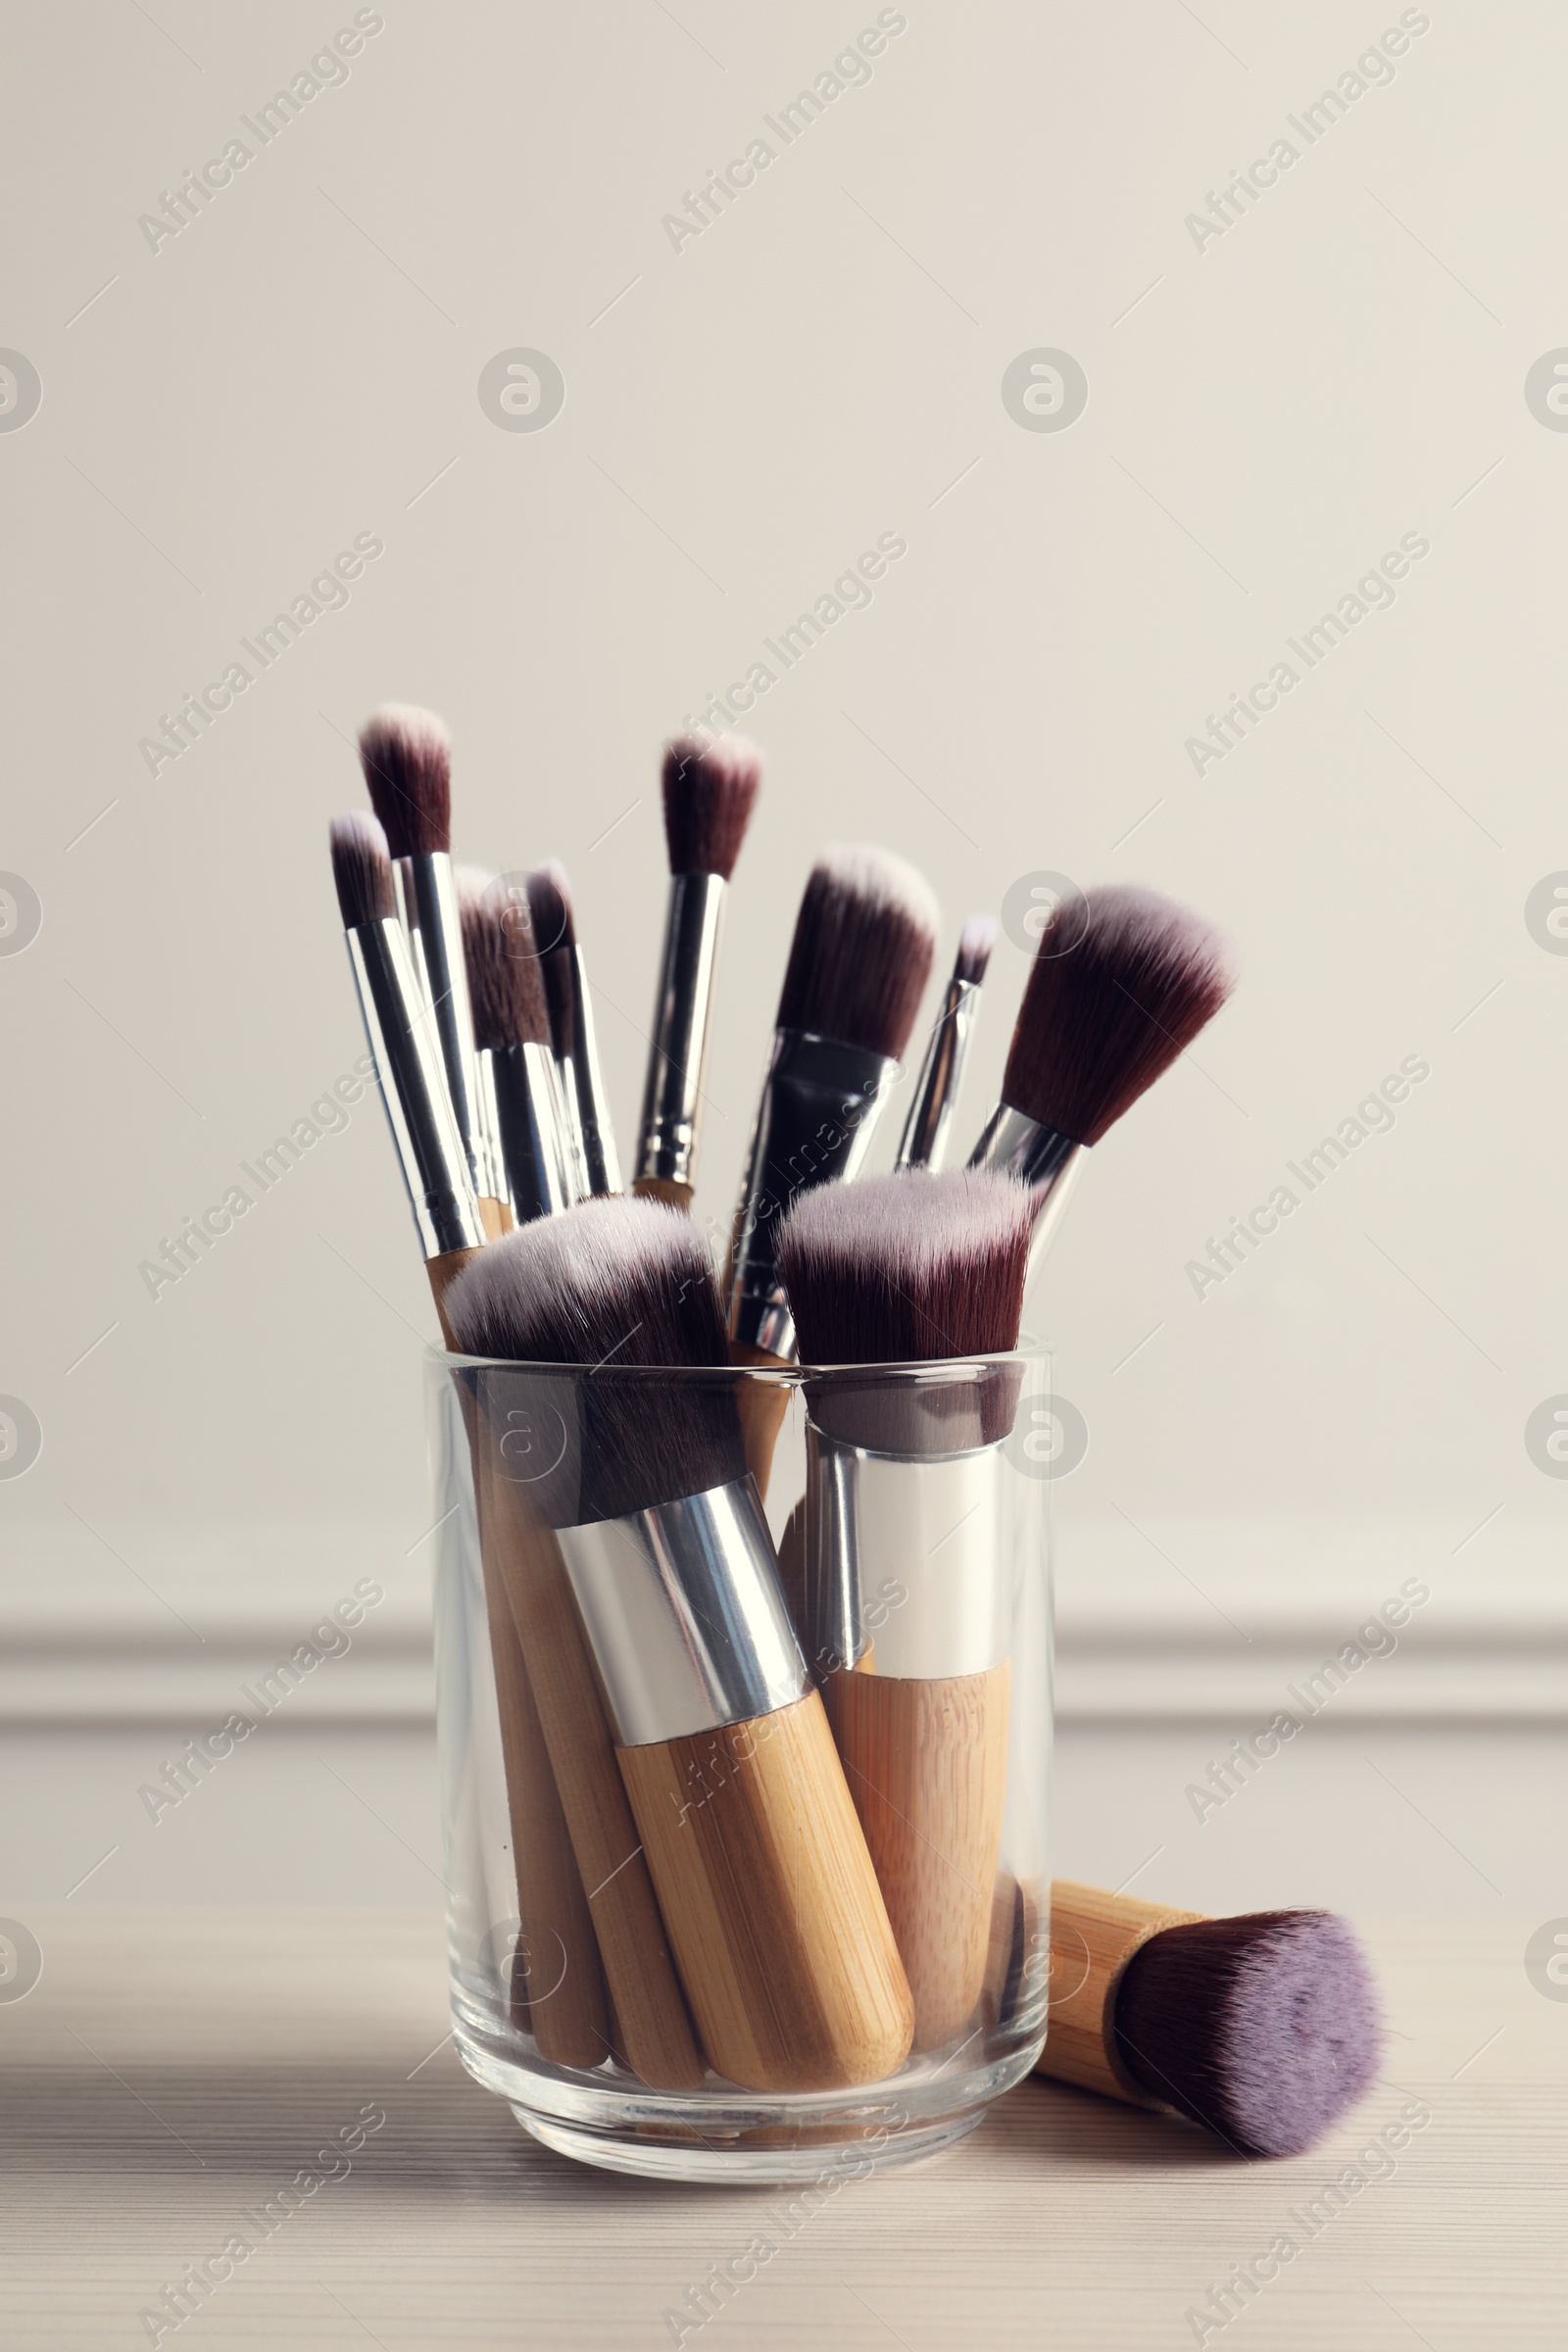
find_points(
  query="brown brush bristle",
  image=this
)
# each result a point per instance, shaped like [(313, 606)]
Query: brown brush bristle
[(406, 761), (505, 987), (975, 943), (361, 869), (862, 952), (1101, 1020), (619, 1285), (555, 937), (1265, 2028), (709, 791)]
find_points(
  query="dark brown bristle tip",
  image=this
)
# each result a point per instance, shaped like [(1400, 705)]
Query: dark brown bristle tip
[(861, 952), (975, 943), (506, 988), (618, 1286), (549, 904), (1109, 1007), (407, 760), (361, 869), (1265, 2028), (709, 789)]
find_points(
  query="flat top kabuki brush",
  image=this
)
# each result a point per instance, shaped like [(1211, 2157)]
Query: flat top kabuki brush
[(1105, 1010), (905, 1495), (924, 1141), (767, 1891), (709, 789), (590, 1132), (1265, 2028), (516, 1087)]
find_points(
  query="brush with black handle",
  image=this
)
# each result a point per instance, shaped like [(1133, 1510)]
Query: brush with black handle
[(924, 1141), (709, 789), (904, 1498), (596, 1168), (517, 1084), (707, 1725)]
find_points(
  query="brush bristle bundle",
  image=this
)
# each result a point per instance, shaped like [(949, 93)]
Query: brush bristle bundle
[(862, 952), (361, 869), (506, 988), (1265, 2028), (710, 790), (618, 1285), (406, 758), (975, 943), (1101, 1020)]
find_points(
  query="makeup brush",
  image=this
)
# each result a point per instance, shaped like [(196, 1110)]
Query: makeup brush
[(406, 761), (1263, 2028), (746, 1827), (936, 1093), (858, 968), (572, 1028), (1105, 1010), (903, 1528), (709, 789), (515, 1083), (399, 1029)]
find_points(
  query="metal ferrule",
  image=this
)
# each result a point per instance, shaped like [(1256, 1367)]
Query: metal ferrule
[(936, 1093), (821, 1102), (685, 1616), (446, 978), (487, 1129), (587, 1105), (667, 1141), (531, 1132), (1049, 1163), (401, 1035), (904, 1558)]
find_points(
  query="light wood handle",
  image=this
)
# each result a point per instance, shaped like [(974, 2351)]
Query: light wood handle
[(762, 1405), (772, 1905), (495, 1216), (1092, 1936), (656, 2031), (927, 1766), (443, 1272), (662, 1188)]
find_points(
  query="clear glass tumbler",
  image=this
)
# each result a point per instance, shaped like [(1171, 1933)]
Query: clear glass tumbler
[(745, 1801)]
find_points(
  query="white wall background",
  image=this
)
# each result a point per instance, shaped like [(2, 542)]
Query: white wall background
[(1266, 417)]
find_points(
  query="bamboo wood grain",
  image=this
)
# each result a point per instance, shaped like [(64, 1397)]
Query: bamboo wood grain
[(762, 1405), (927, 1766), (663, 1188), (1092, 1936), (772, 1905)]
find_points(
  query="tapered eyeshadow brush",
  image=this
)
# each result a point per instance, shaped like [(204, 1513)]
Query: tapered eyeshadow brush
[(936, 1093), (709, 789), (1101, 1020), (406, 761), (597, 1168), (766, 1888), (517, 1084)]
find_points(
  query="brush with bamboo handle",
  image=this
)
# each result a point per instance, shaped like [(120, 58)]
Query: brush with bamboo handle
[(924, 1142), (859, 963), (907, 1575), (759, 1862), (516, 1080), (595, 1167), (709, 789)]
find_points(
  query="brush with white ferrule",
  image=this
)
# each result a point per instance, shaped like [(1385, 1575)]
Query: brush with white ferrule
[(709, 789), (903, 1528), (591, 1134), (516, 1079), (407, 1053), (1122, 982), (744, 1824), (406, 761), (936, 1095)]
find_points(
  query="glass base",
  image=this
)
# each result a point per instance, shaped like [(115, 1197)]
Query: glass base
[(744, 2167)]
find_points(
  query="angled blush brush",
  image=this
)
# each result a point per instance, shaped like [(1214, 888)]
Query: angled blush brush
[(709, 789), (764, 1886), (515, 1082), (924, 1141), (1263, 2028), (1101, 1020), (901, 1496), (592, 1137)]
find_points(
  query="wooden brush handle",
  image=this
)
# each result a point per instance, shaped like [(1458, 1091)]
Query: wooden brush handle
[(927, 1766), (771, 1902), (495, 1216), (443, 1272), (1092, 1936), (657, 2039), (762, 1405), (663, 1188)]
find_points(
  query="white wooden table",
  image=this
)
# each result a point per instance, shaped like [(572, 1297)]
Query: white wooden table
[(173, 2069)]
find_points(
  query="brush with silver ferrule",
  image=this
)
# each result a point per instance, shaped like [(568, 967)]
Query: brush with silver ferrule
[(767, 1891), (709, 789), (936, 1095), (592, 1137), (905, 1531), (516, 1080), (408, 1055), (1122, 982), (406, 761)]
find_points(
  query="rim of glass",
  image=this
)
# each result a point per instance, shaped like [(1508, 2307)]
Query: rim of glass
[(1029, 1351)]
